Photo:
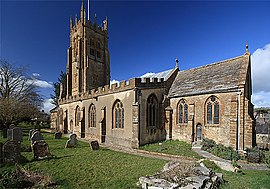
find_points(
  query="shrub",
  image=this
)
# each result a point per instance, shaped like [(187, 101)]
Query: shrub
[(266, 158), (220, 150), (207, 144), (254, 155)]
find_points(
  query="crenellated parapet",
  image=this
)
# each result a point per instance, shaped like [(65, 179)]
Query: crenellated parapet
[(141, 83)]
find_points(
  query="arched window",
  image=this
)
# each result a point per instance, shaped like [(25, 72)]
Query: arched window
[(182, 112), (92, 116), (118, 115), (77, 116), (152, 111), (212, 110)]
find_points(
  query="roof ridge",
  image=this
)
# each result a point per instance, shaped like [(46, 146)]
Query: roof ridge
[(214, 63)]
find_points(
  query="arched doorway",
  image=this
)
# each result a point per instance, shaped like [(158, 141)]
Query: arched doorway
[(198, 132)]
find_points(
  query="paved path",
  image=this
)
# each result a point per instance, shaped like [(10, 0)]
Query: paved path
[(158, 155), (226, 164)]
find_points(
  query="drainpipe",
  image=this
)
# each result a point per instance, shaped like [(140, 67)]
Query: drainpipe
[(238, 119)]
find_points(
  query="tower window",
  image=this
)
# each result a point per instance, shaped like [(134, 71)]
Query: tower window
[(98, 54), (92, 51)]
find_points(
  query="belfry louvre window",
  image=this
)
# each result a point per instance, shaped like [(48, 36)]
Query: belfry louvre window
[(152, 111), (212, 110), (182, 112), (118, 115), (92, 116)]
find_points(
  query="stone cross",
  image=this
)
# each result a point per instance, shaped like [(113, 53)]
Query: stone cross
[(72, 141)]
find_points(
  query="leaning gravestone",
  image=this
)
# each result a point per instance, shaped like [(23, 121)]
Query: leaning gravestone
[(58, 135), (31, 133), (72, 141), (16, 134), (41, 149), (36, 136), (94, 145), (11, 151)]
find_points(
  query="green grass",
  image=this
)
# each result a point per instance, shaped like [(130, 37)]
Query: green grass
[(82, 168), (174, 147), (244, 179)]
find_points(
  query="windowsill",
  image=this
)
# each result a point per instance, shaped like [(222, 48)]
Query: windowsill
[(212, 125), (181, 124)]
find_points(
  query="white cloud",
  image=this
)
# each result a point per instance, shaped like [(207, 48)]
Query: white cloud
[(149, 74), (41, 83), (36, 74), (114, 81), (261, 99), (260, 76), (47, 105), (261, 69)]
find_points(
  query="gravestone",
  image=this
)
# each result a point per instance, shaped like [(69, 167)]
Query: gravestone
[(72, 141), (94, 145), (41, 149), (16, 134), (11, 151), (31, 133), (58, 135), (36, 136)]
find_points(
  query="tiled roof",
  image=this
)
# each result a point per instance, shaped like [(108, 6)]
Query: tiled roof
[(221, 76), (164, 74)]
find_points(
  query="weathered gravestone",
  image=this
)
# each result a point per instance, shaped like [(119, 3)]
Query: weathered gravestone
[(58, 135), (36, 136), (11, 151), (31, 133), (16, 134), (72, 141), (94, 145), (41, 150)]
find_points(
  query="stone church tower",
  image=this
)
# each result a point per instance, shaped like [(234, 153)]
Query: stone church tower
[(88, 64)]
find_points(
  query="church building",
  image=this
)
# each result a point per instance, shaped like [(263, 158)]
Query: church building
[(211, 101)]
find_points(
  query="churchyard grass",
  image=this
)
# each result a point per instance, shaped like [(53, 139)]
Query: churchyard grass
[(243, 179), (82, 168), (174, 147)]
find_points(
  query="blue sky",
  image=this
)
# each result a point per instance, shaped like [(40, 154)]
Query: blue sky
[(144, 36)]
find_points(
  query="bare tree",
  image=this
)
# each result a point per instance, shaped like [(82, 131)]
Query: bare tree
[(19, 98)]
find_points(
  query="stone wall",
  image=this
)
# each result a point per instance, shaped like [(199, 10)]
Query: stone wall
[(226, 131)]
